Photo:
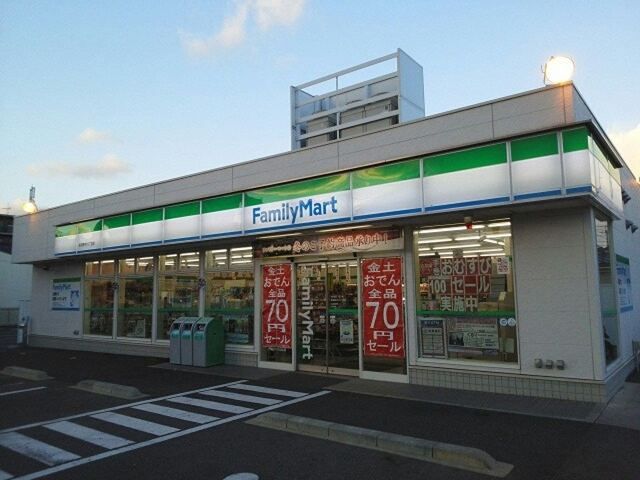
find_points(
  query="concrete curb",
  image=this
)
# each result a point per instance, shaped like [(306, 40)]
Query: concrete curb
[(110, 389), (26, 373), (457, 456)]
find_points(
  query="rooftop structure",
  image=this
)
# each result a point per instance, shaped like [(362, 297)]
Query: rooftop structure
[(347, 103)]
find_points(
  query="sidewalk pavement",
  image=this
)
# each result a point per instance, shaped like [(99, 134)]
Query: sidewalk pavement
[(622, 411)]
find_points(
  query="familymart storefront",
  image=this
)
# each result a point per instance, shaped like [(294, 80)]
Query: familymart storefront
[(406, 271), (333, 302)]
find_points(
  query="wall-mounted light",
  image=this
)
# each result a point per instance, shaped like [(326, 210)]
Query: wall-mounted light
[(625, 197), (628, 224), (558, 69), (30, 206)]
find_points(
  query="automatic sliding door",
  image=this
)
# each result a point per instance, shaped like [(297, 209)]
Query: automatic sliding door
[(311, 316), (327, 317), (343, 341)]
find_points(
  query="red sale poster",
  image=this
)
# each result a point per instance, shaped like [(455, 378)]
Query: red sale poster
[(383, 314), (276, 306)]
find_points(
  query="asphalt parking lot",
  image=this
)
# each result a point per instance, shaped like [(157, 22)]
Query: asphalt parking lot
[(537, 447)]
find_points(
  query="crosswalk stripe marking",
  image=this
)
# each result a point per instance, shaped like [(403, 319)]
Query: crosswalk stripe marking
[(176, 413), (240, 397), (156, 440), (273, 391), (4, 475), (135, 423), (222, 407), (119, 407), (40, 451), (89, 435)]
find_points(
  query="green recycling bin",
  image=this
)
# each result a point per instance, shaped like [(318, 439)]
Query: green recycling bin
[(208, 342)]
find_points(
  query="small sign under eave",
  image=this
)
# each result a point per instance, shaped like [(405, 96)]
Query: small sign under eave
[(332, 243)]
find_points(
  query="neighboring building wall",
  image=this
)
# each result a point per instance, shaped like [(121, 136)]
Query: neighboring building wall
[(15, 286), (627, 244), (15, 282)]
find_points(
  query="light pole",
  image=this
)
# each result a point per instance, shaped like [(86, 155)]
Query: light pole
[(30, 206)]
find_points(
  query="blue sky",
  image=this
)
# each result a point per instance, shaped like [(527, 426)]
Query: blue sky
[(97, 97)]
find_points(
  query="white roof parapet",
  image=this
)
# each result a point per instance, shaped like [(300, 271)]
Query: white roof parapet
[(367, 105)]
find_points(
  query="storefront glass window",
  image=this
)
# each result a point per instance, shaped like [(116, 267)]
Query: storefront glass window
[(229, 292), (465, 296), (92, 269), (135, 298), (178, 292), (190, 262), (98, 300), (127, 266), (108, 267), (169, 263), (608, 308)]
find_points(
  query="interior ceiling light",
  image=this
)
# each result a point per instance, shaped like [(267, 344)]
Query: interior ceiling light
[(241, 249), (499, 224), (435, 240), (450, 229), (457, 247), (462, 238), (558, 69), (498, 235), (483, 250)]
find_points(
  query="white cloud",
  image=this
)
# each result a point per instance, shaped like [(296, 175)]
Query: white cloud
[(628, 144), (108, 166), (267, 13), (91, 135), (271, 13)]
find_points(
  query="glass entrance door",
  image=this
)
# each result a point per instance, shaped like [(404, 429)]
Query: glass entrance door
[(327, 317)]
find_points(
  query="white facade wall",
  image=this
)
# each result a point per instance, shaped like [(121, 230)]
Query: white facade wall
[(44, 320), (529, 112), (556, 288)]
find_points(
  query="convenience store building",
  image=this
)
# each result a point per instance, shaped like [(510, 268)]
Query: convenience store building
[(489, 248)]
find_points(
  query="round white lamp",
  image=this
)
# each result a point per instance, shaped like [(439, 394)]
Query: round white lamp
[(558, 69)]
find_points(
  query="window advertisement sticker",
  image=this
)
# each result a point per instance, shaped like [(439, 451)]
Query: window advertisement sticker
[(276, 306), (65, 294), (383, 313)]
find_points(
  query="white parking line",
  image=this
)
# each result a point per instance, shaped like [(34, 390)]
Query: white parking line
[(135, 423), (176, 413), (221, 407), (4, 475), (240, 397), (273, 391), (40, 451), (90, 435), (21, 391)]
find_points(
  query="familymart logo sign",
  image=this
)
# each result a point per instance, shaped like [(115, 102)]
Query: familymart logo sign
[(315, 210), (287, 212)]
